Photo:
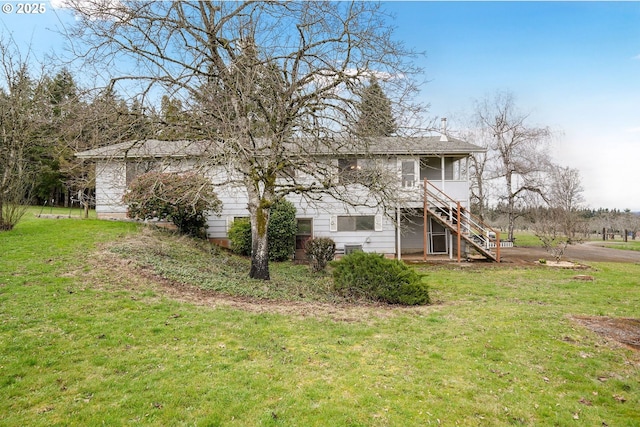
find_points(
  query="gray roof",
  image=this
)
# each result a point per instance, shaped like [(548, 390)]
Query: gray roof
[(420, 145), (152, 148), (149, 148)]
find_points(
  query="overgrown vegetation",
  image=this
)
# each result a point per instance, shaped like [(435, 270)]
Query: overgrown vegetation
[(369, 276), (87, 338), (319, 251), (184, 199), (181, 260)]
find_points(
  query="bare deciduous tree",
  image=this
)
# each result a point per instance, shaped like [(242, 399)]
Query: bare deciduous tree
[(565, 194), (270, 84), (556, 223), (521, 157), (22, 109), (479, 163)]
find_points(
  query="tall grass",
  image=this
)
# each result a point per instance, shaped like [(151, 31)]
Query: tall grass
[(84, 342)]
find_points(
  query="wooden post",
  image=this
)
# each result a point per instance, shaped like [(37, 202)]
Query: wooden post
[(398, 234), (497, 246), (458, 218), (424, 222), (604, 233)]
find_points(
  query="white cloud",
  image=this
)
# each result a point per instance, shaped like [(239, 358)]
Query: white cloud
[(634, 130), (92, 9), (59, 4), (83, 4), (637, 57)]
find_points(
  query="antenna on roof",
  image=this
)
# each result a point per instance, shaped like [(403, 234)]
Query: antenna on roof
[(443, 129)]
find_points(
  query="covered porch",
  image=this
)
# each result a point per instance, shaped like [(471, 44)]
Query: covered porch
[(443, 226), (420, 237)]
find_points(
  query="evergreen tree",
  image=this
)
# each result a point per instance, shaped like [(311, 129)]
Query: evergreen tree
[(61, 110), (376, 117)]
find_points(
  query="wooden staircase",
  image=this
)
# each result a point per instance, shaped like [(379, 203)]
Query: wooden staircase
[(462, 223)]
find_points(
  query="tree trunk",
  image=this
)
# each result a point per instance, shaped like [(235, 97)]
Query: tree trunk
[(511, 215), (259, 244)]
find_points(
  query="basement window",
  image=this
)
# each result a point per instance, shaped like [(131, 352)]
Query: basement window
[(356, 223)]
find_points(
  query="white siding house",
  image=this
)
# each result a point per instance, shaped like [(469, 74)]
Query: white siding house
[(439, 163)]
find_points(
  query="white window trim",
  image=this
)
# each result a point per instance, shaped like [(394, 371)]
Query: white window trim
[(377, 224)]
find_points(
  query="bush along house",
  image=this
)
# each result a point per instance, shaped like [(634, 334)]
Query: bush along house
[(420, 207)]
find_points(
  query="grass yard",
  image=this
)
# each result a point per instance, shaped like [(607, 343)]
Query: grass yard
[(629, 245), (89, 335), (525, 239)]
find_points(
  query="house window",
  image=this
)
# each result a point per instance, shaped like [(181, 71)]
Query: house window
[(349, 169), (449, 166), (459, 166), (356, 223), (408, 173), (135, 169), (454, 168), (431, 168), (304, 232)]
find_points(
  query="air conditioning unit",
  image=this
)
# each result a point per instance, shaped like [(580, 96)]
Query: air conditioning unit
[(352, 248)]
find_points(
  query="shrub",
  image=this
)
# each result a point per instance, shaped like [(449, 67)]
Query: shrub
[(183, 199), (373, 277), (281, 232), (240, 236), (319, 252)]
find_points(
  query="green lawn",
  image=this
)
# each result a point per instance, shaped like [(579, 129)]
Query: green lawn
[(87, 342), (526, 239), (629, 245)]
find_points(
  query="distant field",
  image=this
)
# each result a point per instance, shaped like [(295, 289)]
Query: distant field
[(90, 334), (630, 245), (526, 239)]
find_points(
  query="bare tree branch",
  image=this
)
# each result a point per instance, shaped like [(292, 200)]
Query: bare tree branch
[(270, 84)]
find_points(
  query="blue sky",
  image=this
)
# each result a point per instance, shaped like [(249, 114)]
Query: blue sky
[(574, 66)]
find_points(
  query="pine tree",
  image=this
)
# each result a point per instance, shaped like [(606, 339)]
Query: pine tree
[(376, 117)]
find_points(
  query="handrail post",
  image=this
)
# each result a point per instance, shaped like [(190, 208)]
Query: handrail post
[(424, 223), (458, 215), (497, 246)]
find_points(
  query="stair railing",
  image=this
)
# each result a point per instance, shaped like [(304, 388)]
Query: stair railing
[(470, 225)]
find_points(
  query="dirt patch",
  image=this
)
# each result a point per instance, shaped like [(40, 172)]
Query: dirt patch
[(560, 264), (621, 329)]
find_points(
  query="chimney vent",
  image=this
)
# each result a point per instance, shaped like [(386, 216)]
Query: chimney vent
[(443, 130)]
